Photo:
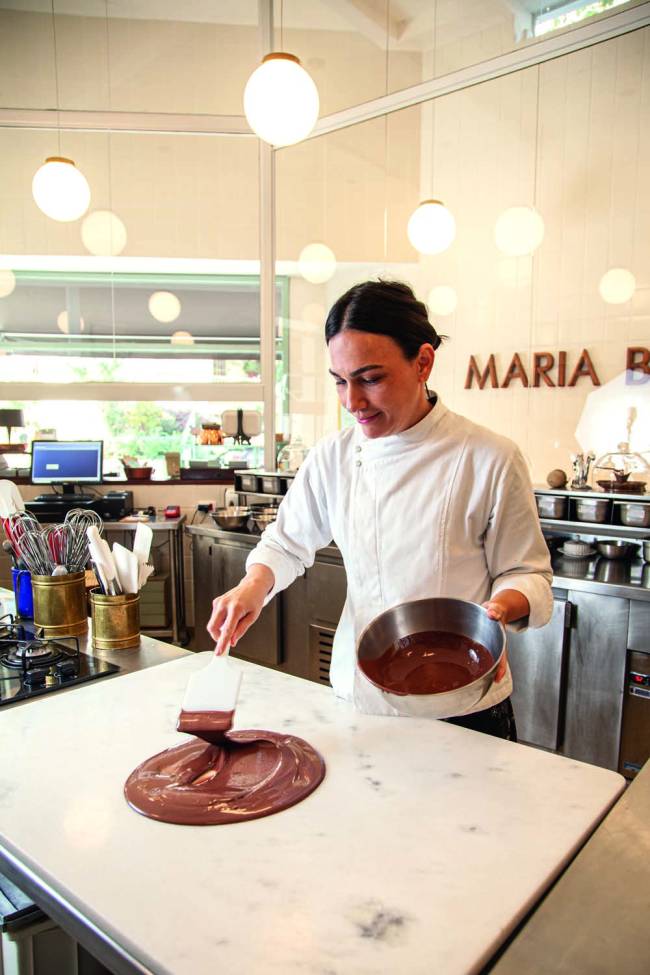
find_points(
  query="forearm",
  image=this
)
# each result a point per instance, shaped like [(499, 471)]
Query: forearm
[(259, 577)]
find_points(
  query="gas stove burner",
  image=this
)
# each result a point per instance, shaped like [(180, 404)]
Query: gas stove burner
[(35, 653)]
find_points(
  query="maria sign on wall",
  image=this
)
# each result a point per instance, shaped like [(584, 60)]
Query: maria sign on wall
[(553, 369)]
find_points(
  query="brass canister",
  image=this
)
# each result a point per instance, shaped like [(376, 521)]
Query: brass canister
[(116, 620), (60, 604)]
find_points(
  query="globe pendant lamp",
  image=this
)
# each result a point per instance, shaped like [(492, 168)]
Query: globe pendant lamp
[(431, 228), (60, 190), (281, 100)]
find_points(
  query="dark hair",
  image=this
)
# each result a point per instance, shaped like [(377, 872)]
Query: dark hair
[(384, 308)]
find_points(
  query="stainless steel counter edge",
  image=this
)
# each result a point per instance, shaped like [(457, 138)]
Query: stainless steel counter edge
[(80, 927), (332, 554), (594, 920)]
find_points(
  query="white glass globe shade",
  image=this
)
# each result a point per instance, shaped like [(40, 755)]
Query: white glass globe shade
[(103, 233), (518, 231), (431, 228), (617, 286), (7, 283), (442, 300), (281, 100), (63, 322), (164, 306), (317, 263), (182, 338), (60, 190)]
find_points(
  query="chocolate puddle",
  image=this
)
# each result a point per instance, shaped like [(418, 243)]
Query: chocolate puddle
[(428, 663), (247, 775)]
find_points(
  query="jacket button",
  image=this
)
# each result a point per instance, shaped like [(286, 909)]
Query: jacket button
[(358, 449), (358, 463)]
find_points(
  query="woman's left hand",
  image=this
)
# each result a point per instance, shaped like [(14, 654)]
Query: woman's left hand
[(497, 611)]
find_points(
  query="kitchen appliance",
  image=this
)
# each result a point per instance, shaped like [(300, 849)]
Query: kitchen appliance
[(31, 665), (445, 615), (172, 511), (635, 725), (114, 505)]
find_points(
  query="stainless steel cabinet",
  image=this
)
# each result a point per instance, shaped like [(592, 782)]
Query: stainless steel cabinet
[(569, 677), (218, 567), (538, 661), (596, 677)]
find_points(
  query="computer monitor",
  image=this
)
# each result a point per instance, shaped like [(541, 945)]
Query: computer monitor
[(67, 462)]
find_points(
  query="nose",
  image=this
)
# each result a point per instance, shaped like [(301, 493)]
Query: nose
[(355, 398)]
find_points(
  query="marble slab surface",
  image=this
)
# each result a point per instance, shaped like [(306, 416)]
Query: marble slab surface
[(423, 847)]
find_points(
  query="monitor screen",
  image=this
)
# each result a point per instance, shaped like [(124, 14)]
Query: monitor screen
[(59, 461)]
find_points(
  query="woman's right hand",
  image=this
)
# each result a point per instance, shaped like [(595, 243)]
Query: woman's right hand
[(235, 611)]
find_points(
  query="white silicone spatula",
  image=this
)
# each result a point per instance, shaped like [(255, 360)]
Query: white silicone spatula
[(210, 700), (142, 543)]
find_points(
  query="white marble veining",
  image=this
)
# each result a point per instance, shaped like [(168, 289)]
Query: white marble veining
[(419, 852)]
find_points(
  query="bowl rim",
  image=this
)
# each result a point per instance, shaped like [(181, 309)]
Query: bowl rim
[(438, 695)]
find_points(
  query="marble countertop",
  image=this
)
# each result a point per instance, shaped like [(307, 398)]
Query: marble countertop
[(420, 852)]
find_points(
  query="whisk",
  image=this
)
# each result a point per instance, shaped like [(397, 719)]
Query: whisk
[(34, 549), (15, 526)]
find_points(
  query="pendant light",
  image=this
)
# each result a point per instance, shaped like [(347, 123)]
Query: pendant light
[(59, 189), (617, 286), (280, 99), (519, 231), (431, 227)]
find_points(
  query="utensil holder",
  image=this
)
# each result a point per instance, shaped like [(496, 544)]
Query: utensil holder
[(116, 620), (60, 604)]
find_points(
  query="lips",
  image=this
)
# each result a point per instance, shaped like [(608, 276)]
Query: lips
[(368, 419)]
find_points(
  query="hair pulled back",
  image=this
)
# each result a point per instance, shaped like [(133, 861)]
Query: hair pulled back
[(383, 308)]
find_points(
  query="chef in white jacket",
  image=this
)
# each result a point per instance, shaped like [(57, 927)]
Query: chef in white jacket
[(420, 501)]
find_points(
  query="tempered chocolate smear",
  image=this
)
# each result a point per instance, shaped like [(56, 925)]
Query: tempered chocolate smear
[(428, 663), (249, 775)]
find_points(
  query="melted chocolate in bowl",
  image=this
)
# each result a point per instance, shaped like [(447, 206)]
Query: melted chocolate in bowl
[(428, 663), (247, 775)]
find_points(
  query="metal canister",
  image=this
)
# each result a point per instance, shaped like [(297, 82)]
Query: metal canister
[(116, 620), (60, 604)]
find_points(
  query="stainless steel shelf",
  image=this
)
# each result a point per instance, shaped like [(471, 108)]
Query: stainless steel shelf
[(595, 528)]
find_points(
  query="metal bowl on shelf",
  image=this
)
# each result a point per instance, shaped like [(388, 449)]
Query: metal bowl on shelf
[(262, 521), (231, 519), (634, 514), (455, 616), (615, 549), (614, 571), (592, 509), (551, 505)]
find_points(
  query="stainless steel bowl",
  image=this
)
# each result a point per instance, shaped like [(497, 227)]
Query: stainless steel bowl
[(634, 514), (551, 505), (617, 550), (261, 521), (448, 615), (592, 509), (232, 519), (614, 571)]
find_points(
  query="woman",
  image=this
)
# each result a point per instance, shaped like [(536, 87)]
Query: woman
[(420, 501)]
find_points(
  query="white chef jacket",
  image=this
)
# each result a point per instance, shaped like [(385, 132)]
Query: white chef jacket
[(444, 508)]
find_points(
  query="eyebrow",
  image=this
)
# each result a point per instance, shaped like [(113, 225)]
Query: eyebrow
[(358, 372)]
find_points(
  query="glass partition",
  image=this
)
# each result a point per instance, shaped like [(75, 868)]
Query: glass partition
[(538, 334)]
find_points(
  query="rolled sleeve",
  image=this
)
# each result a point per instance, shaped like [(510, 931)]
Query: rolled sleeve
[(289, 545), (517, 554)]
